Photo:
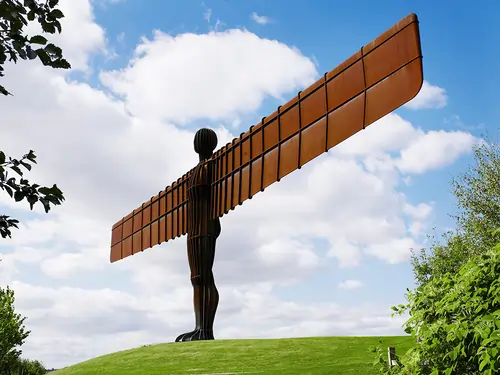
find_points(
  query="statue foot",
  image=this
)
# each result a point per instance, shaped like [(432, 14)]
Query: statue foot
[(201, 334), (196, 335), (184, 336)]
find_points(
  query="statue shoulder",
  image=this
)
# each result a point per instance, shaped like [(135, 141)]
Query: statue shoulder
[(203, 172)]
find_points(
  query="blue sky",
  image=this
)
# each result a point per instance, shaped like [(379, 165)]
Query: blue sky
[(456, 57), (112, 133), (331, 32)]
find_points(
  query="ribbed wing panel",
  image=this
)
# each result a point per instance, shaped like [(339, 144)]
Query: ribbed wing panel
[(379, 78), (160, 219)]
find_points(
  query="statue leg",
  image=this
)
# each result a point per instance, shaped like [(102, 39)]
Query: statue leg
[(201, 254)]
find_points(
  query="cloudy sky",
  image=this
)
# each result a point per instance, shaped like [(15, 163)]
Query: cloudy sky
[(324, 252)]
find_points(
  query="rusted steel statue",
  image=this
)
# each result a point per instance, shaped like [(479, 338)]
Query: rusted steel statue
[(202, 233), (376, 80)]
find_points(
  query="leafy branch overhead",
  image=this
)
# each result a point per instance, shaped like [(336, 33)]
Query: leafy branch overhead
[(20, 188), (15, 15), (15, 44)]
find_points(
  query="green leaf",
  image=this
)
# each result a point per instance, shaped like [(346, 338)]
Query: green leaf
[(32, 199), (19, 195), (494, 351), (8, 189), (483, 363), (53, 49), (56, 13), (61, 64), (13, 223), (44, 57), (31, 156), (2, 157), (22, 54), (38, 39), (46, 204), (11, 182), (4, 91), (48, 27), (44, 190), (30, 53), (17, 170), (17, 45), (26, 165), (31, 15)]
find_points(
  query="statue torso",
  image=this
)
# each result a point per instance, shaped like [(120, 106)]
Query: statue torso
[(199, 203)]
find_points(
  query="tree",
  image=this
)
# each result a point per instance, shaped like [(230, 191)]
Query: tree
[(477, 192), (12, 332), (478, 197), (457, 316), (15, 45), (442, 257)]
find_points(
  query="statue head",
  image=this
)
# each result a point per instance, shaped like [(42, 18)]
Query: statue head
[(205, 142)]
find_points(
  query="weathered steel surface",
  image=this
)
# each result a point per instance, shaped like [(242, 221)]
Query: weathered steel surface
[(376, 80)]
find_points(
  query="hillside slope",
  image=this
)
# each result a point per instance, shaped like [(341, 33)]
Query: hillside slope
[(312, 355)]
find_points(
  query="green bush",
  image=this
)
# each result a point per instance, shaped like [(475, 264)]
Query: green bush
[(457, 317), (28, 367)]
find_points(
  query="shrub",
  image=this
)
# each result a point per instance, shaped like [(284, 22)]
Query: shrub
[(457, 316)]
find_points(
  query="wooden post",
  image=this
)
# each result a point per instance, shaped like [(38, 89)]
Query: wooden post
[(391, 354)]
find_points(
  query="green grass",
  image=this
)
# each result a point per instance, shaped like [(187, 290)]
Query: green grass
[(312, 355)]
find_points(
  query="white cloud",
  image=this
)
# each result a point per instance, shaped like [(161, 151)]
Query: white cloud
[(261, 20), (407, 180), (419, 212), (120, 38), (389, 134), (288, 254), (351, 284), (394, 251), (418, 151), (420, 215), (171, 78), (108, 162), (430, 96), (434, 150), (207, 15)]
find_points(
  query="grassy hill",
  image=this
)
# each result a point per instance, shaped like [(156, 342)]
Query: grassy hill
[(312, 355)]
